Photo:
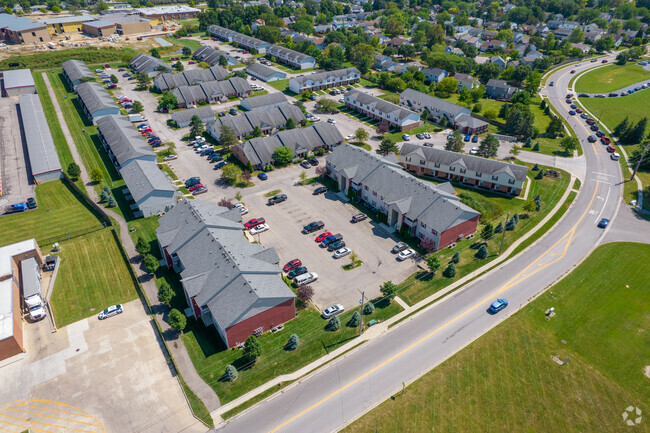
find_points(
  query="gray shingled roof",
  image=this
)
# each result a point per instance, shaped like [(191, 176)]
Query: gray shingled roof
[(272, 118), (76, 70), (40, 145), (276, 50), (472, 162), (324, 76), (145, 63), (264, 101), (125, 141), (143, 178), (211, 55), (169, 80), (433, 104), (95, 97), (379, 104), (261, 70), (186, 115)]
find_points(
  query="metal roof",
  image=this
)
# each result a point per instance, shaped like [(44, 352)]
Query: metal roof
[(125, 141), (379, 104), (19, 24), (261, 70), (323, 77), (100, 23), (436, 106), (70, 19), (40, 145), (30, 277), (264, 101), (18, 78), (6, 285)]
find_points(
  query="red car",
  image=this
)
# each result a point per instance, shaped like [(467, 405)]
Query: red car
[(322, 236), (195, 187), (254, 223), (611, 149), (293, 264), (146, 131), (578, 110), (573, 71), (604, 61), (605, 139)]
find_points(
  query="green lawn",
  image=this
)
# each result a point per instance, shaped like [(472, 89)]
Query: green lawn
[(59, 211), (507, 381), (281, 85), (427, 127), (194, 45), (610, 78), (494, 208), (92, 276)]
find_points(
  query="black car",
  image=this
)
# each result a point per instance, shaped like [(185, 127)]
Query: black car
[(591, 139), (313, 226), (583, 95), (613, 95), (320, 190), (192, 181), (215, 157), (31, 203), (335, 245), (313, 161), (277, 199), (594, 127), (296, 272), (600, 133)]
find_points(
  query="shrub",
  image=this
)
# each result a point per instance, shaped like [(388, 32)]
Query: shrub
[(450, 271), (428, 245), (165, 293), (369, 308), (499, 227), (252, 349), (151, 263), (177, 320), (528, 143), (305, 294), (540, 175), (334, 324), (111, 202), (74, 171), (482, 252), (231, 373), (142, 246), (511, 224), (354, 320), (536, 147), (96, 175), (536, 167), (456, 258), (104, 196), (293, 343), (516, 217), (388, 289)]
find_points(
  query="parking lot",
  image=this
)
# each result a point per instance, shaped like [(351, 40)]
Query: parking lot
[(286, 220)]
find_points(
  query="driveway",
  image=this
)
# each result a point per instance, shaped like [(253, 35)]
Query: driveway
[(286, 220), (94, 367)]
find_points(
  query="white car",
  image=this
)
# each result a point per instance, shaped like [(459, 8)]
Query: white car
[(111, 311), (341, 101), (259, 229), (170, 157), (473, 151), (334, 310), (406, 137), (349, 136), (342, 252), (406, 254), (615, 156), (238, 205), (243, 211), (314, 119), (332, 121)]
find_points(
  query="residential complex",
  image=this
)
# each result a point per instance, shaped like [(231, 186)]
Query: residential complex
[(182, 118), (190, 77), (95, 101), (265, 73), (387, 113), (268, 121), (499, 89), (212, 56), (76, 72), (324, 80), (292, 58), (212, 91), (264, 102), (144, 63)]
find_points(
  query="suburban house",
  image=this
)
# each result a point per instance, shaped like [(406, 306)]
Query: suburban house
[(465, 81), (264, 102), (498, 60), (434, 75), (144, 63), (499, 89), (190, 77), (405, 203), (229, 283), (470, 170), (21, 30), (324, 80), (389, 114), (182, 118), (454, 50), (148, 187), (265, 73), (95, 101), (292, 58), (212, 91), (259, 151), (457, 116), (268, 121), (122, 141), (211, 56), (76, 72)]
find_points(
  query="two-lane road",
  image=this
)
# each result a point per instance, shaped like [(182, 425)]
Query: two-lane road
[(345, 389)]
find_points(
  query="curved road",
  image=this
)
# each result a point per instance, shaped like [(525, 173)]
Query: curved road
[(345, 389)]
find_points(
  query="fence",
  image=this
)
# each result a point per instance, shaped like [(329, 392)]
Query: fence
[(505, 137), (70, 235), (490, 121), (105, 220)]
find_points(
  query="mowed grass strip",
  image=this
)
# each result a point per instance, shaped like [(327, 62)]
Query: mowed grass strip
[(92, 276), (506, 381), (59, 211), (611, 78)]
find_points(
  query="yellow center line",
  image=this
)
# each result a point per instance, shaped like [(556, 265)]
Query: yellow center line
[(48, 416), (510, 283)]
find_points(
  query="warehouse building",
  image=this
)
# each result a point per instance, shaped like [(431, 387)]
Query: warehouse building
[(43, 159), (264, 102), (18, 82), (164, 13), (21, 30), (184, 117), (76, 72), (62, 25), (95, 101)]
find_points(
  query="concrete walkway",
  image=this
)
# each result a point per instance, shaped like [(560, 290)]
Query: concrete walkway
[(183, 362)]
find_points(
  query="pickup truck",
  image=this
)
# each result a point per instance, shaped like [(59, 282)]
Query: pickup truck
[(18, 207)]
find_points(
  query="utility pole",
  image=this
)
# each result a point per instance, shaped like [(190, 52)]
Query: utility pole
[(503, 236), (641, 159), (361, 314)]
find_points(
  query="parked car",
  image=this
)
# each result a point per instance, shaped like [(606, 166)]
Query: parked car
[(603, 223), (320, 190), (259, 229), (573, 113), (322, 236), (590, 121), (473, 150), (399, 247), (233, 111), (605, 139), (297, 272), (406, 254), (111, 86), (591, 139), (220, 164), (359, 217), (313, 226), (475, 139), (313, 161), (111, 311), (611, 149), (467, 138), (126, 75), (498, 305), (292, 264), (262, 176), (31, 203), (334, 310), (243, 211), (192, 181), (335, 245), (305, 164), (427, 135), (315, 119), (594, 127), (307, 278), (330, 120), (594, 60), (279, 198), (613, 95), (195, 187), (615, 156), (254, 222), (552, 83), (584, 116), (331, 239), (342, 252), (604, 61), (200, 191), (215, 157), (573, 71)]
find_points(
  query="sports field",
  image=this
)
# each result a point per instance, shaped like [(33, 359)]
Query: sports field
[(610, 78)]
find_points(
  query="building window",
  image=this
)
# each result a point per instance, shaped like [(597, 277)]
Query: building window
[(422, 162), (423, 225), (421, 235), (365, 187), (433, 232), (478, 174), (452, 168), (511, 181), (436, 165), (462, 170), (374, 193), (495, 177)]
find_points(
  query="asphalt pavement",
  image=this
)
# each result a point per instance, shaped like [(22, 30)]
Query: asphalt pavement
[(334, 396)]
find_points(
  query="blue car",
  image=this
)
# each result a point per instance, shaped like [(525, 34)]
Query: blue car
[(498, 305), (573, 113), (219, 164), (467, 138), (603, 223), (331, 239), (262, 176)]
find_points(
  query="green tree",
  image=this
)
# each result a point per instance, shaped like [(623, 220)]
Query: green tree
[(577, 36), (425, 114), (455, 142), (104, 196), (227, 137), (137, 107), (386, 146), (231, 173), (167, 102), (530, 206), (536, 147), (223, 62), (499, 227), (291, 124), (540, 175), (257, 132), (389, 290), (361, 135), (488, 232), (154, 53), (303, 177), (196, 126), (177, 320), (354, 320), (74, 171), (187, 51), (143, 80), (179, 66), (282, 155), (96, 175), (554, 127), (142, 246), (450, 271), (532, 82), (455, 258), (327, 105), (482, 252), (515, 150), (433, 263), (111, 202), (488, 147), (252, 349), (230, 374), (293, 343), (569, 144), (447, 86), (114, 79), (151, 263), (165, 293), (334, 324), (369, 308), (529, 142)]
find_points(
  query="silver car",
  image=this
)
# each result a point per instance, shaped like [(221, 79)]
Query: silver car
[(111, 311), (334, 310)]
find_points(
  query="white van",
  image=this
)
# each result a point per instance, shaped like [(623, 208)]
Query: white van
[(307, 278)]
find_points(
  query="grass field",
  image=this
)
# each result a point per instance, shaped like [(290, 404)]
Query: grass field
[(191, 43), (59, 211), (610, 78), (281, 85), (506, 381), (92, 276)]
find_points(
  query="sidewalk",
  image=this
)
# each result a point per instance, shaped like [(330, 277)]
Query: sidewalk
[(408, 314), (183, 362)]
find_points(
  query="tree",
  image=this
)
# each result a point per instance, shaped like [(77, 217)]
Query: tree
[(532, 82), (450, 271), (165, 293), (96, 175), (111, 202), (389, 290), (137, 107), (577, 35), (151, 263), (354, 320), (361, 134), (114, 79), (302, 176), (536, 147), (231, 173), (482, 252), (569, 144), (447, 86), (428, 245), (252, 349), (196, 126), (540, 175), (433, 263), (554, 127), (142, 246), (227, 137), (231, 373), (282, 155), (387, 146), (305, 294), (225, 202), (327, 105), (515, 150), (269, 34), (179, 66), (511, 224), (74, 171), (291, 124), (369, 308), (103, 197), (530, 206), (321, 171), (499, 227), (167, 102), (528, 142), (455, 142), (187, 51), (334, 324), (143, 80), (488, 147), (293, 343), (223, 62), (487, 232), (154, 53)]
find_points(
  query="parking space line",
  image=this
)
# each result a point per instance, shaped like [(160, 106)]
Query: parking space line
[(56, 410), (48, 416), (50, 425)]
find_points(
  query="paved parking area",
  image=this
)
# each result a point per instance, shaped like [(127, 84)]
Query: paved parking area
[(286, 220), (112, 370)]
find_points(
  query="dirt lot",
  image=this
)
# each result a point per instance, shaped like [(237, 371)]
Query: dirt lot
[(286, 221)]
